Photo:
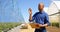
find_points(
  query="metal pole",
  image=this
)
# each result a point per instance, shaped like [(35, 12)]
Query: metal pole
[(59, 18)]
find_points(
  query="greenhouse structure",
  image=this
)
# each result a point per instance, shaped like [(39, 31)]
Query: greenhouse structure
[(54, 11), (10, 11)]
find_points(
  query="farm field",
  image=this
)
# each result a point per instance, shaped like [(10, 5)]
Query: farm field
[(8, 26)]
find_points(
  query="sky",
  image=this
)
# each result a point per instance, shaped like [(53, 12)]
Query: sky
[(17, 10), (26, 4)]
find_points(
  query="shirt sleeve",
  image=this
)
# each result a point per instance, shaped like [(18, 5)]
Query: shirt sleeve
[(47, 20), (33, 18)]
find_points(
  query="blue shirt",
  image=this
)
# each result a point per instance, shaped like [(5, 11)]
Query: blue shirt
[(41, 18)]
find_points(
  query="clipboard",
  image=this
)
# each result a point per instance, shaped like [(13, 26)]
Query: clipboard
[(34, 25)]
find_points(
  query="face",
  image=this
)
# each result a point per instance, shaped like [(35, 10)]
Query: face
[(40, 7)]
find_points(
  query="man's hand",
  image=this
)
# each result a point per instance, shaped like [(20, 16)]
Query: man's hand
[(41, 25), (45, 25), (30, 11)]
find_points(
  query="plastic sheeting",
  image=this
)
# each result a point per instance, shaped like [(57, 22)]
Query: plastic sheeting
[(10, 11)]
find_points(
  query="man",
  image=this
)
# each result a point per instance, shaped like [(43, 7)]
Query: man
[(40, 17)]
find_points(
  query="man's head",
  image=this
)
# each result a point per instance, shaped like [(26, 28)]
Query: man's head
[(40, 7)]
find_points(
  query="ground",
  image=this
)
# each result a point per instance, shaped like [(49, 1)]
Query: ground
[(49, 29)]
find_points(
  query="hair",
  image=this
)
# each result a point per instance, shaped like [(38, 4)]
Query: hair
[(40, 3)]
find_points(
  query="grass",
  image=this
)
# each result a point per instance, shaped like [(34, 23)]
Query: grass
[(8, 26), (56, 24)]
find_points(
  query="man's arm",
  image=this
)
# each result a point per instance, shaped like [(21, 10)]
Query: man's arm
[(30, 17), (47, 23), (30, 14)]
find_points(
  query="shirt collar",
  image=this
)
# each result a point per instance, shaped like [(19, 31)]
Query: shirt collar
[(41, 12)]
